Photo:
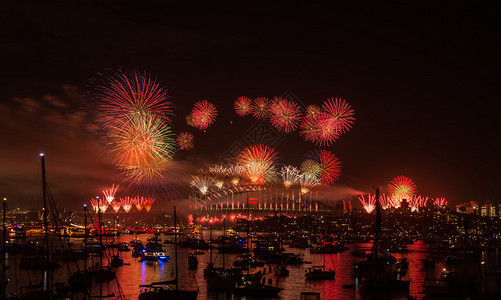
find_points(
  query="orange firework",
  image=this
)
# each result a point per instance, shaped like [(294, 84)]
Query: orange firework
[(258, 161), (261, 108), (185, 141), (243, 106)]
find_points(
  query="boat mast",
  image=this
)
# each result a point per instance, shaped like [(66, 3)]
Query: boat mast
[(85, 237), (224, 237), (4, 236), (46, 227), (175, 244)]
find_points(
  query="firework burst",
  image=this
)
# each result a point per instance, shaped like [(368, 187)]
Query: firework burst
[(185, 141), (308, 183), (219, 174), (289, 175), (339, 112), (204, 113), (330, 167), (126, 93), (257, 162), (313, 111), (261, 108), (136, 117), (310, 168), (285, 115), (235, 173), (202, 183), (143, 148), (243, 106), (402, 187)]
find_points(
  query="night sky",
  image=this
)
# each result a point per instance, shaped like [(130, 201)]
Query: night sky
[(423, 81)]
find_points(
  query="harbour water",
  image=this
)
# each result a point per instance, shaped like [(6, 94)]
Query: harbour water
[(136, 273)]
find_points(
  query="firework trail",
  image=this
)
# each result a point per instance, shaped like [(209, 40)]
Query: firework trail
[(138, 203), (147, 203), (109, 194), (243, 106), (99, 204), (204, 113), (202, 183), (261, 108), (368, 204), (185, 141), (308, 183), (235, 173), (416, 202), (285, 115), (257, 162), (115, 205), (440, 201), (402, 187), (127, 203), (330, 167), (218, 174), (290, 175)]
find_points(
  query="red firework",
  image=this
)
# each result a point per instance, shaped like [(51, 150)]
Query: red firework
[(243, 106), (402, 188), (204, 113), (368, 204), (116, 205), (313, 111), (330, 166), (128, 92), (147, 203), (257, 162), (440, 201), (340, 113), (320, 130), (284, 115), (261, 108), (185, 141)]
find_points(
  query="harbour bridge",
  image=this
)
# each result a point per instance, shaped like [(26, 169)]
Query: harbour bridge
[(260, 200)]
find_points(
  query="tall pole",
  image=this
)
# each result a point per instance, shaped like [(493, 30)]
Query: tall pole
[(175, 245), (4, 236), (46, 228), (85, 237)]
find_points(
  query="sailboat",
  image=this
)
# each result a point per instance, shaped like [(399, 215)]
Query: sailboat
[(162, 290), (320, 273), (381, 281), (221, 278)]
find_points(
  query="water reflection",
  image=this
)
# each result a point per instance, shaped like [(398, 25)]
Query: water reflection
[(345, 285)]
